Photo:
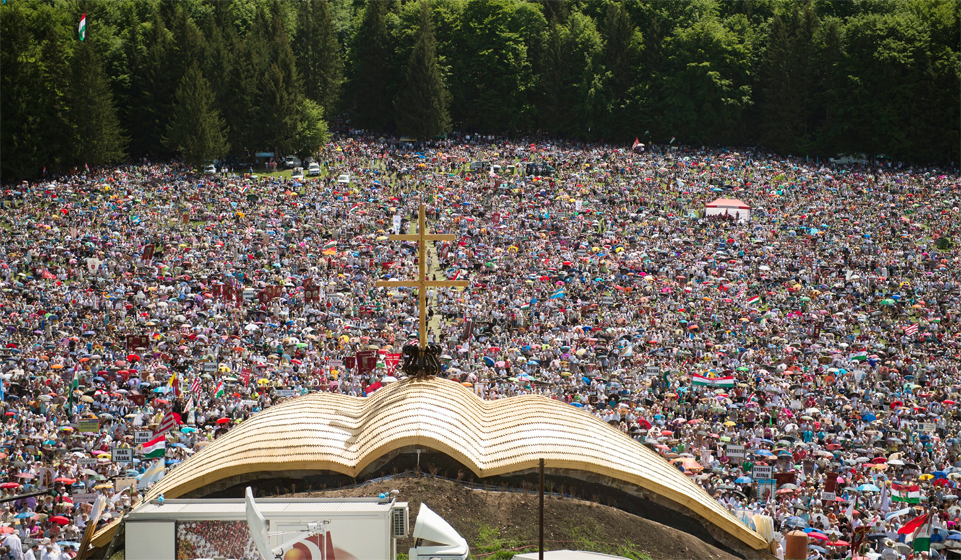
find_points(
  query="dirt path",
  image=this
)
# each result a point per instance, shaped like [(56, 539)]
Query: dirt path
[(497, 524)]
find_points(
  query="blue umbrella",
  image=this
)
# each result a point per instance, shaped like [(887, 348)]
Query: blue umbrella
[(488, 361), (577, 404), (743, 480), (764, 453), (869, 418), (24, 515), (795, 521), (954, 537), (868, 488)]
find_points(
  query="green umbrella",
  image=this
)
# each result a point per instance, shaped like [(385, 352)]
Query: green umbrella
[(887, 302)]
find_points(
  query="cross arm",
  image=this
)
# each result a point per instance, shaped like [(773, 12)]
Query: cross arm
[(426, 237)]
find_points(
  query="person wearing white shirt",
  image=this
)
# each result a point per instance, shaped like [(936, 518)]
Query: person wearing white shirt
[(33, 553), (49, 554), (16, 546)]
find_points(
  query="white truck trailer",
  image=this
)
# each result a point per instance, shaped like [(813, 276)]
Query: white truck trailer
[(286, 529)]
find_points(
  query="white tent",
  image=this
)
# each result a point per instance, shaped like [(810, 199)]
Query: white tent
[(730, 207)]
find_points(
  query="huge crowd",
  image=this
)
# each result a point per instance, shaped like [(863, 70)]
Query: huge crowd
[(816, 334)]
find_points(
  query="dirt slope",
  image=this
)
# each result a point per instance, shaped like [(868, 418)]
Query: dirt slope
[(495, 523)]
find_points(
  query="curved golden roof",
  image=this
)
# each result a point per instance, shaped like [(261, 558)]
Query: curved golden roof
[(333, 432)]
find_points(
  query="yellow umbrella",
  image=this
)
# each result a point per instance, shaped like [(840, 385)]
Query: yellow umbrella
[(926, 476), (730, 424), (263, 381)]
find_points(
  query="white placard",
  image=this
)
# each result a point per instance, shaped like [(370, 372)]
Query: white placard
[(140, 438), (121, 455), (84, 497), (735, 451), (762, 472)]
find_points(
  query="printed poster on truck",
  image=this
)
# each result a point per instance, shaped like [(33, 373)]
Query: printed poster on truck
[(215, 539)]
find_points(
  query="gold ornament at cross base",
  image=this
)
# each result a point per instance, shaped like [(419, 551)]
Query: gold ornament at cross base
[(422, 283)]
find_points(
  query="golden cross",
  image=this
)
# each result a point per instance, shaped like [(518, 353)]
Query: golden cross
[(422, 283)]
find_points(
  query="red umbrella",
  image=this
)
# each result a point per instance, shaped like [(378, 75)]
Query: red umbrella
[(7, 530), (223, 420), (9, 485), (838, 543), (817, 536), (667, 433), (373, 387), (60, 520), (65, 480), (133, 358)]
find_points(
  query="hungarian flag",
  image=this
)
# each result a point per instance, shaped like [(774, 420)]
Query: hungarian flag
[(219, 392), (711, 380), (909, 493), (918, 533), (156, 447), (83, 27), (859, 356), (753, 299)]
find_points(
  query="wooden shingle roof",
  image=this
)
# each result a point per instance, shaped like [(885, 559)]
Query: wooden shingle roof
[(343, 434)]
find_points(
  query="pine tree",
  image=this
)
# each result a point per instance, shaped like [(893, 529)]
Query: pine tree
[(312, 131), (20, 153), (372, 69), (318, 54), (196, 130), (99, 137), (279, 94), (422, 104), (621, 51)]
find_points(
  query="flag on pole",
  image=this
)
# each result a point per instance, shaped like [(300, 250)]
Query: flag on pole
[(175, 385), (169, 422), (753, 299), (911, 329), (151, 475), (712, 380), (156, 447), (190, 404), (83, 27), (74, 384), (918, 533), (635, 144), (910, 493), (219, 391), (195, 386), (884, 502)]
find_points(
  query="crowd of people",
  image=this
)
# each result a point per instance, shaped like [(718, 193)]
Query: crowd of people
[(816, 334)]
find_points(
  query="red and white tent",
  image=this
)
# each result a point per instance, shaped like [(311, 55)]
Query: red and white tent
[(730, 207)]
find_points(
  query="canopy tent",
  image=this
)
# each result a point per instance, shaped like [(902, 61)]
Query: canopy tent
[(730, 207)]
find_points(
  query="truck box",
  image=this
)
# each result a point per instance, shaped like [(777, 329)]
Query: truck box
[(356, 528)]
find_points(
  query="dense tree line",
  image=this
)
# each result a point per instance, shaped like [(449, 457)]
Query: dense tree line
[(204, 78)]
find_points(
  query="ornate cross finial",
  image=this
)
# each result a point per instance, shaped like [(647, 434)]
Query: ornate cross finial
[(422, 283)]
